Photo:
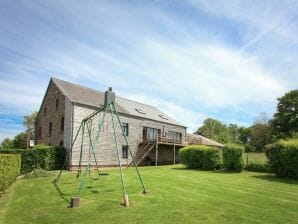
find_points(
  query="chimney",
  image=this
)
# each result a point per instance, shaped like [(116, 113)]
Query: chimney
[(109, 96)]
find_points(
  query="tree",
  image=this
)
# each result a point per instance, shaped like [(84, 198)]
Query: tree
[(20, 140), (29, 123), (285, 120), (7, 143), (244, 135), (261, 133), (233, 133), (215, 130)]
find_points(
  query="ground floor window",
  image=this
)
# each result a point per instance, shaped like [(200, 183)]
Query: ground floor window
[(125, 151)]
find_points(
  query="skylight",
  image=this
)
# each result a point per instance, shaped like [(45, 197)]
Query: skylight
[(140, 111), (163, 117)]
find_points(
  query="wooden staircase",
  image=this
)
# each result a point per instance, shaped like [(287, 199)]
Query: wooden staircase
[(144, 149)]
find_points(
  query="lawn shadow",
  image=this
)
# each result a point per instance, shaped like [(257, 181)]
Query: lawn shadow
[(271, 177), (61, 194)]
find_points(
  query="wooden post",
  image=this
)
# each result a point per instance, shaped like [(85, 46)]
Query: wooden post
[(156, 154), (174, 153), (75, 202)]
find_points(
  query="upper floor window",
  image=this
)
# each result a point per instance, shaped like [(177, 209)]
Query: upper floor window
[(124, 151), (174, 135), (57, 104), (45, 111), (125, 128), (62, 124), (50, 129)]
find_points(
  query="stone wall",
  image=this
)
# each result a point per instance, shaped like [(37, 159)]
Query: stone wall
[(51, 111)]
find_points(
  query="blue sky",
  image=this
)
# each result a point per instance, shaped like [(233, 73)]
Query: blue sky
[(229, 60)]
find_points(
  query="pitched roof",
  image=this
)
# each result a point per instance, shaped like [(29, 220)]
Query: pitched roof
[(94, 98), (201, 140)]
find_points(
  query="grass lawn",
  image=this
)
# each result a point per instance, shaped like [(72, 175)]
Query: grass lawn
[(176, 195)]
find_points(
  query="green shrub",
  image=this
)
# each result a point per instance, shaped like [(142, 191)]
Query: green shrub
[(10, 166), (233, 157), (41, 156), (283, 158), (200, 156)]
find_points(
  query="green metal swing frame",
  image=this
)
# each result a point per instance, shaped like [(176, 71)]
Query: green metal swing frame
[(87, 123)]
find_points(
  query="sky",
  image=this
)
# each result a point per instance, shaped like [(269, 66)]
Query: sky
[(225, 59)]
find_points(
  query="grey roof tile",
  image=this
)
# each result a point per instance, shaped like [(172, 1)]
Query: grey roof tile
[(94, 98)]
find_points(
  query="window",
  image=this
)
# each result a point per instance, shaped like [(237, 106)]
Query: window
[(39, 133), (61, 143), (163, 117), (45, 111), (174, 135), (57, 104), (140, 111), (125, 128), (62, 124), (124, 151), (50, 129)]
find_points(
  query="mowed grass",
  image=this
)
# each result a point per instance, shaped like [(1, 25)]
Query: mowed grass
[(177, 195)]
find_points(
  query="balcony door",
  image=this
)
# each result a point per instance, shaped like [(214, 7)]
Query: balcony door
[(150, 134)]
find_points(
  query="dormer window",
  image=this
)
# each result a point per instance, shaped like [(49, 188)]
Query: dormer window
[(140, 111), (163, 117)]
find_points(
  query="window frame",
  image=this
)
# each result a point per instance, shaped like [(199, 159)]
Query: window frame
[(125, 127), (124, 155), (62, 124)]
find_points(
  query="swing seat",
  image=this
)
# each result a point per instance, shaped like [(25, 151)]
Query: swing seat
[(95, 178)]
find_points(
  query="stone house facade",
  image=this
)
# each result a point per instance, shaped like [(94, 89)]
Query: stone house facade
[(154, 137)]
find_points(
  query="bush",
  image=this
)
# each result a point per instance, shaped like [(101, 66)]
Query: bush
[(233, 157), (10, 166), (283, 158), (41, 156), (200, 156)]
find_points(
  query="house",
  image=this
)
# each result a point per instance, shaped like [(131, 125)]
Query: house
[(154, 137)]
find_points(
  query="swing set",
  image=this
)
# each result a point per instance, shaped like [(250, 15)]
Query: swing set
[(87, 126)]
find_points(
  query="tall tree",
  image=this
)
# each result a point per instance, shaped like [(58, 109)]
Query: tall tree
[(261, 133), (215, 130), (29, 123), (285, 120), (244, 135), (233, 133), (20, 141)]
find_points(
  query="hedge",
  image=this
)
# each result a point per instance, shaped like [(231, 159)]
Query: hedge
[(232, 156), (41, 156), (10, 166), (283, 158), (200, 156)]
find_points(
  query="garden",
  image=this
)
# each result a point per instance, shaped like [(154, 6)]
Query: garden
[(211, 187)]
